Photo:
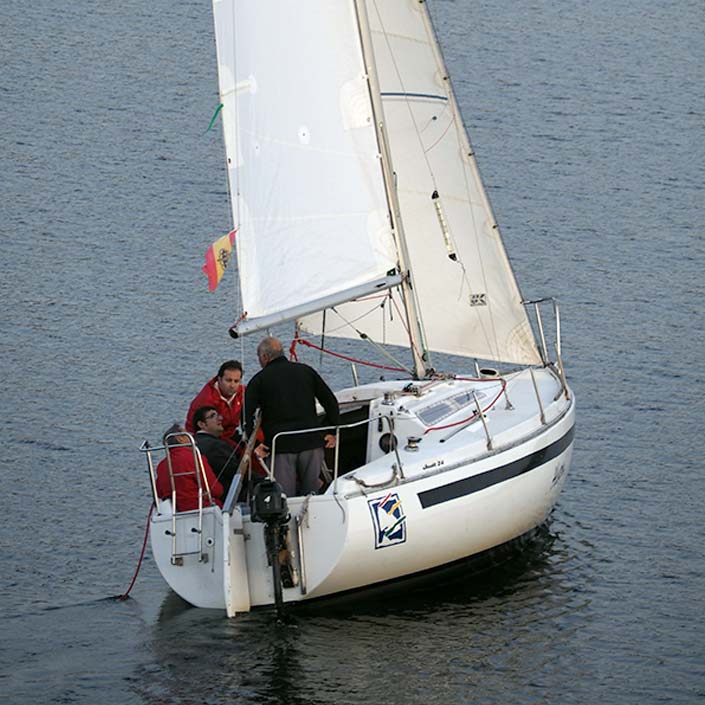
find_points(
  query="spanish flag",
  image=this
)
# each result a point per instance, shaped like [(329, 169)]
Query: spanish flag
[(217, 258)]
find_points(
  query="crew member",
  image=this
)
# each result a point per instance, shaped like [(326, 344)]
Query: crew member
[(286, 392)]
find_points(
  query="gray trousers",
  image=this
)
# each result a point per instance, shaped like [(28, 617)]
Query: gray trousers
[(298, 473)]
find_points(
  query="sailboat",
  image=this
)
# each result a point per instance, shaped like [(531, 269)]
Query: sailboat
[(360, 213)]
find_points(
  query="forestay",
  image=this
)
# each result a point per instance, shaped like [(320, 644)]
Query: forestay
[(303, 160), (468, 298)]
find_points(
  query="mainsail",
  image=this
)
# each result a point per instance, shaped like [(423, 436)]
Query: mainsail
[(303, 160), (308, 192)]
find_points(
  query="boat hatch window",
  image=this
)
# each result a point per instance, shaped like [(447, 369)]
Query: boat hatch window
[(435, 412)]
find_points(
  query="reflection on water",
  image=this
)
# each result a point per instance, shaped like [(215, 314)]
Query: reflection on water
[(432, 639)]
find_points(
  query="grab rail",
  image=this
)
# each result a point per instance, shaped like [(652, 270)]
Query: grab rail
[(337, 429)]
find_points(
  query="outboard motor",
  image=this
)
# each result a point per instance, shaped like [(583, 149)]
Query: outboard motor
[(268, 503), (268, 506)]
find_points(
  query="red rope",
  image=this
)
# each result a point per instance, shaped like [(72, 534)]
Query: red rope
[(481, 379), (470, 418), (292, 355), (292, 347), (234, 326), (139, 562), (308, 343)]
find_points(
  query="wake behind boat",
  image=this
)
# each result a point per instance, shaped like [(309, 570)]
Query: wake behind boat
[(360, 213)]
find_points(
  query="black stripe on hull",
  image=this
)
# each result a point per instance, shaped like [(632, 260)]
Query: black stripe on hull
[(467, 486)]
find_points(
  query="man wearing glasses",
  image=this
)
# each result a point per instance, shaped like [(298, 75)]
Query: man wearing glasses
[(221, 456)]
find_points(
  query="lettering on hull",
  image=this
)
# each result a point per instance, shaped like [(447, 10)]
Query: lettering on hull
[(475, 483)]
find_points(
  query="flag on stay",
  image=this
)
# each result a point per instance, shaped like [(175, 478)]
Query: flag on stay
[(217, 258)]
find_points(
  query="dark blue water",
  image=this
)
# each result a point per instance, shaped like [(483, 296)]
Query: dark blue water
[(587, 119)]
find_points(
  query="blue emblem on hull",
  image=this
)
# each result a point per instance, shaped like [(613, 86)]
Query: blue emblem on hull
[(388, 519)]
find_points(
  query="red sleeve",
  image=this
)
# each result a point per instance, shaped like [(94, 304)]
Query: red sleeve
[(163, 484), (201, 399), (191, 410)]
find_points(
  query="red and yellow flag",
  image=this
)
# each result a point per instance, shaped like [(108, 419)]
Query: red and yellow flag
[(217, 258)]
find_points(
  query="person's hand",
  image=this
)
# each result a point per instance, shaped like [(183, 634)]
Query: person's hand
[(329, 439), (261, 451)]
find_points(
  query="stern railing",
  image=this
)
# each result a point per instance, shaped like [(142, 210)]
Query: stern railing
[(201, 481)]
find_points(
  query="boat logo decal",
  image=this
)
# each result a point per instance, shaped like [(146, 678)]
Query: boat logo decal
[(388, 519)]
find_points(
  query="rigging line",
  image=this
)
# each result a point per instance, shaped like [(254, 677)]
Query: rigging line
[(381, 306), (375, 344), (401, 318), (385, 353), (308, 343), (333, 331)]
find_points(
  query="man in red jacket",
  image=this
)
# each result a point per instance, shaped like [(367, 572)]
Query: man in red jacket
[(225, 393), (187, 477)]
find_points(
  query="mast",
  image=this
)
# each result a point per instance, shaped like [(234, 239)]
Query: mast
[(417, 338)]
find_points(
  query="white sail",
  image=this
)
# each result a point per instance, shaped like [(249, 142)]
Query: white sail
[(467, 295), (303, 159)]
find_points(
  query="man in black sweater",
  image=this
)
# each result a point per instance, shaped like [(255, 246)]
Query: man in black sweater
[(286, 392), (221, 456)]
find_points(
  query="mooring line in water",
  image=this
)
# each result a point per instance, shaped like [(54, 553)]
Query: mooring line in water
[(139, 562)]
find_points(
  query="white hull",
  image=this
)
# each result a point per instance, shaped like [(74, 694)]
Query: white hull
[(456, 498)]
